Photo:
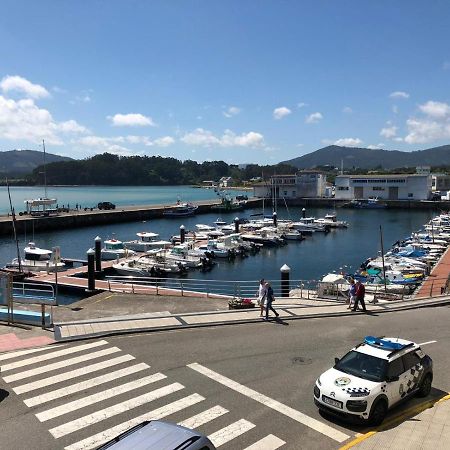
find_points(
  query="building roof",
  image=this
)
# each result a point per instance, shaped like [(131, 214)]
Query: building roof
[(397, 175)]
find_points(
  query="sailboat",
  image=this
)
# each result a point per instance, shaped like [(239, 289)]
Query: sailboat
[(43, 206)]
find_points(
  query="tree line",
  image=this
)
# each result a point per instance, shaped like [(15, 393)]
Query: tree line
[(114, 170)]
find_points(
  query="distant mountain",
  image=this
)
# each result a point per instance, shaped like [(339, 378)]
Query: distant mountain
[(22, 162), (364, 158)]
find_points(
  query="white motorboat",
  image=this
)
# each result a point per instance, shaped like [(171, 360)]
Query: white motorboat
[(180, 254), (331, 221), (147, 241), (115, 249), (37, 259), (161, 264), (131, 267)]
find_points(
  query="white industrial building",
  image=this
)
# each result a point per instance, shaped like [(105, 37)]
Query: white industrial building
[(386, 187), (307, 183)]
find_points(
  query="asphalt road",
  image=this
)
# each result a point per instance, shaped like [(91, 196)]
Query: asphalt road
[(280, 361)]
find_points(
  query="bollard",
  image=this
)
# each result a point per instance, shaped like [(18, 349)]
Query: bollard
[(98, 254), (236, 224), (91, 270), (303, 212), (275, 219), (285, 271), (43, 316), (182, 234)]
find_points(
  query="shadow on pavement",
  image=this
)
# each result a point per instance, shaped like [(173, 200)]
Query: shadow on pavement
[(397, 415), (3, 394)]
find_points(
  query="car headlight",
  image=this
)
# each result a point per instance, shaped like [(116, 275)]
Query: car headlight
[(318, 382)]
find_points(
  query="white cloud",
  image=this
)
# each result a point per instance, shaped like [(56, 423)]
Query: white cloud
[(131, 120), (314, 118), (395, 109), (164, 141), (434, 126), (348, 142), (20, 84), (301, 105), (347, 110), (205, 138), (389, 132), (282, 111), (232, 111), (399, 94), (376, 146), (437, 110), (24, 120)]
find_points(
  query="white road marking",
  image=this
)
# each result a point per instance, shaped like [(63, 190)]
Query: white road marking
[(204, 417), (98, 397), (98, 416), (11, 355), (61, 364), (230, 432), (57, 354), (106, 435), (270, 442), (426, 343), (72, 374), (274, 404), (83, 385)]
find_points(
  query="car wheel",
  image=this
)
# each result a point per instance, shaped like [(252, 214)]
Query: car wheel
[(425, 386), (378, 413)]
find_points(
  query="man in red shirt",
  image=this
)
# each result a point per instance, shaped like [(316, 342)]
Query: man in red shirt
[(359, 296)]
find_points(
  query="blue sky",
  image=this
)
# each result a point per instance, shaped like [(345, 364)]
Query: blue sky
[(242, 81)]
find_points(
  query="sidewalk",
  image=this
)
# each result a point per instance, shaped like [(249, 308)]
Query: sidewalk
[(430, 429), (288, 308)]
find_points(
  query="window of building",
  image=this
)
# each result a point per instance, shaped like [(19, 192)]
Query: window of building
[(342, 188), (294, 193), (410, 195), (378, 188), (285, 193)]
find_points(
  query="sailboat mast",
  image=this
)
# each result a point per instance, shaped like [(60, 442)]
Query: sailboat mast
[(45, 172), (13, 216), (382, 258)]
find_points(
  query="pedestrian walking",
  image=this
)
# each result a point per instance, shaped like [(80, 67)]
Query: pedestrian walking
[(351, 293), (359, 296), (269, 300), (262, 291)]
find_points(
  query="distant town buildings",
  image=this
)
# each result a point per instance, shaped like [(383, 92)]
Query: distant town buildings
[(225, 182), (306, 183)]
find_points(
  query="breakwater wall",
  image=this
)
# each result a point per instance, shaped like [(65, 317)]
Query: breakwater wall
[(80, 218)]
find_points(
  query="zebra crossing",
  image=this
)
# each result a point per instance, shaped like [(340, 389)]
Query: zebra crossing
[(76, 390)]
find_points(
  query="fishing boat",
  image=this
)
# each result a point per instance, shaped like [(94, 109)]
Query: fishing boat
[(147, 241), (115, 249), (180, 210), (36, 259)]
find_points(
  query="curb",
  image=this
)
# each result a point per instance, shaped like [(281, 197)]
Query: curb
[(411, 412), (183, 326)]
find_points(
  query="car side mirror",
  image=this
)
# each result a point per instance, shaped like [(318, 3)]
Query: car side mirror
[(390, 379), (336, 360)]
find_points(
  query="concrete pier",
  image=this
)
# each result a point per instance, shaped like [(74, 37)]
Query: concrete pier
[(81, 218)]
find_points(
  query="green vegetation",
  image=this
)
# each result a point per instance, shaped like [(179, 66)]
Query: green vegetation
[(108, 169)]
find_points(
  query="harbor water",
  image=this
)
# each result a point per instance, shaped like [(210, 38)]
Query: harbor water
[(310, 259), (90, 196)]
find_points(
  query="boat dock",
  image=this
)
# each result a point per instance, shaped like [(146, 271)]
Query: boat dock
[(437, 282), (80, 218)]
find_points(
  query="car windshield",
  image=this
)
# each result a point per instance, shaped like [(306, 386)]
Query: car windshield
[(363, 366)]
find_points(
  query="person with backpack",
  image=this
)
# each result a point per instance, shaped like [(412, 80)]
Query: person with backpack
[(359, 296)]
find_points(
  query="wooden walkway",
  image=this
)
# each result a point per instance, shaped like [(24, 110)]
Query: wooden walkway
[(436, 282)]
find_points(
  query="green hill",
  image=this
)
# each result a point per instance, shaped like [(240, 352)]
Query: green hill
[(364, 158)]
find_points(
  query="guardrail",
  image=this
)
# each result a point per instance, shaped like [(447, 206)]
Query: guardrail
[(33, 293)]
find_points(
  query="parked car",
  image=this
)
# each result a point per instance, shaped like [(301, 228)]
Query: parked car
[(374, 376), (106, 205), (159, 435)]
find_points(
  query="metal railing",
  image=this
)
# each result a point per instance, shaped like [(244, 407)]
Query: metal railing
[(33, 293), (189, 286)]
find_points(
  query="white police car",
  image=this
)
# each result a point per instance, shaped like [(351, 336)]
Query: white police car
[(373, 377)]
